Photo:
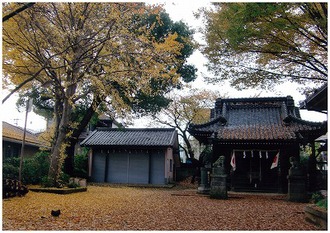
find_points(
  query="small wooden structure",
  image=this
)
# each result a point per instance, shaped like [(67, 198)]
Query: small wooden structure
[(252, 133), (133, 156)]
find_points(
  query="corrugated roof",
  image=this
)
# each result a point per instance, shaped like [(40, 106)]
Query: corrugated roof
[(131, 137), (256, 119)]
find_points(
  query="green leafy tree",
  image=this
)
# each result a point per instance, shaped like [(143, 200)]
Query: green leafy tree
[(163, 25), (261, 44), (88, 54)]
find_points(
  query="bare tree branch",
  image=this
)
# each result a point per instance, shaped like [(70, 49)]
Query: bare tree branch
[(17, 11), (22, 84)]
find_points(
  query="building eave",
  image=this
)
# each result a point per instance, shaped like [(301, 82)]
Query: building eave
[(27, 143), (276, 142), (318, 101)]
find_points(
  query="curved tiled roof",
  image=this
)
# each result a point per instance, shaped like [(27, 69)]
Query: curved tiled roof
[(131, 137), (257, 119)]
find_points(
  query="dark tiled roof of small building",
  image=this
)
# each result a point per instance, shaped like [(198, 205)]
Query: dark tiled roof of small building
[(256, 119), (131, 137)]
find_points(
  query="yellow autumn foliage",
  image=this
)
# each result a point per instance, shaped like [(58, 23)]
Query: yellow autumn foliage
[(87, 50), (123, 208)]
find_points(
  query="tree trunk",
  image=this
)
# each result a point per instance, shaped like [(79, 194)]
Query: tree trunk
[(70, 150), (57, 157), (61, 139), (189, 147), (59, 146)]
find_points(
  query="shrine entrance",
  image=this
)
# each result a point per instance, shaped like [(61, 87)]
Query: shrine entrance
[(253, 171)]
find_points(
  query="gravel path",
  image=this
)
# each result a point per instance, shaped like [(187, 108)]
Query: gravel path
[(124, 208)]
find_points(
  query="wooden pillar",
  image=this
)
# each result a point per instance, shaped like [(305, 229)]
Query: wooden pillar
[(106, 170), (279, 175), (149, 166)]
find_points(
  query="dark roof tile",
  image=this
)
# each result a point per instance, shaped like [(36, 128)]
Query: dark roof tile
[(256, 119), (132, 137)]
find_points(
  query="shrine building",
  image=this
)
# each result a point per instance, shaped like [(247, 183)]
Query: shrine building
[(251, 132)]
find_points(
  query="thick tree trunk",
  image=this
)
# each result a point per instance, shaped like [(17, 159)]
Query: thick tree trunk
[(69, 160), (57, 155), (61, 139)]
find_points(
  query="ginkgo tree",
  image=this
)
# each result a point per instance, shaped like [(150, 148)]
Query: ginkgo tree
[(87, 54), (262, 44)]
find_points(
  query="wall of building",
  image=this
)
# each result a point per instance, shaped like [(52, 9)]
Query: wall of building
[(11, 149), (135, 166), (169, 166)]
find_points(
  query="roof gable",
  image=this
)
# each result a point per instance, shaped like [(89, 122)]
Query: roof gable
[(132, 137)]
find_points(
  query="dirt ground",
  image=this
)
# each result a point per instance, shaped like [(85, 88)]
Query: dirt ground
[(125, 208)]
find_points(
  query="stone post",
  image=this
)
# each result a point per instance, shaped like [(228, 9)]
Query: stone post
[(296, 182), (219, 180), (204, 187)]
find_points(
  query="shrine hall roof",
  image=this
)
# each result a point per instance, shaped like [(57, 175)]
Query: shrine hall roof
[(256, 119)]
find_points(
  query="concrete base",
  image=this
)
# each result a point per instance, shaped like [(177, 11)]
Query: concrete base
[(218, 187), (297, 189), (218, 193), (204, 187)]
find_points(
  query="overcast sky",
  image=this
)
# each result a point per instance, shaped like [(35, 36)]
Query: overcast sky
[(178, 10)]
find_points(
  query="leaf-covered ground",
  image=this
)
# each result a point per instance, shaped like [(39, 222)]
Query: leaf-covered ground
[(124, 208)]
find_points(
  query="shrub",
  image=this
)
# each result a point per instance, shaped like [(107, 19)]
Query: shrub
[(64, 179), (46, 182), (10, 168), (316, 197), (33, 168), (73, 185), (319, 199), (322, 203)]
